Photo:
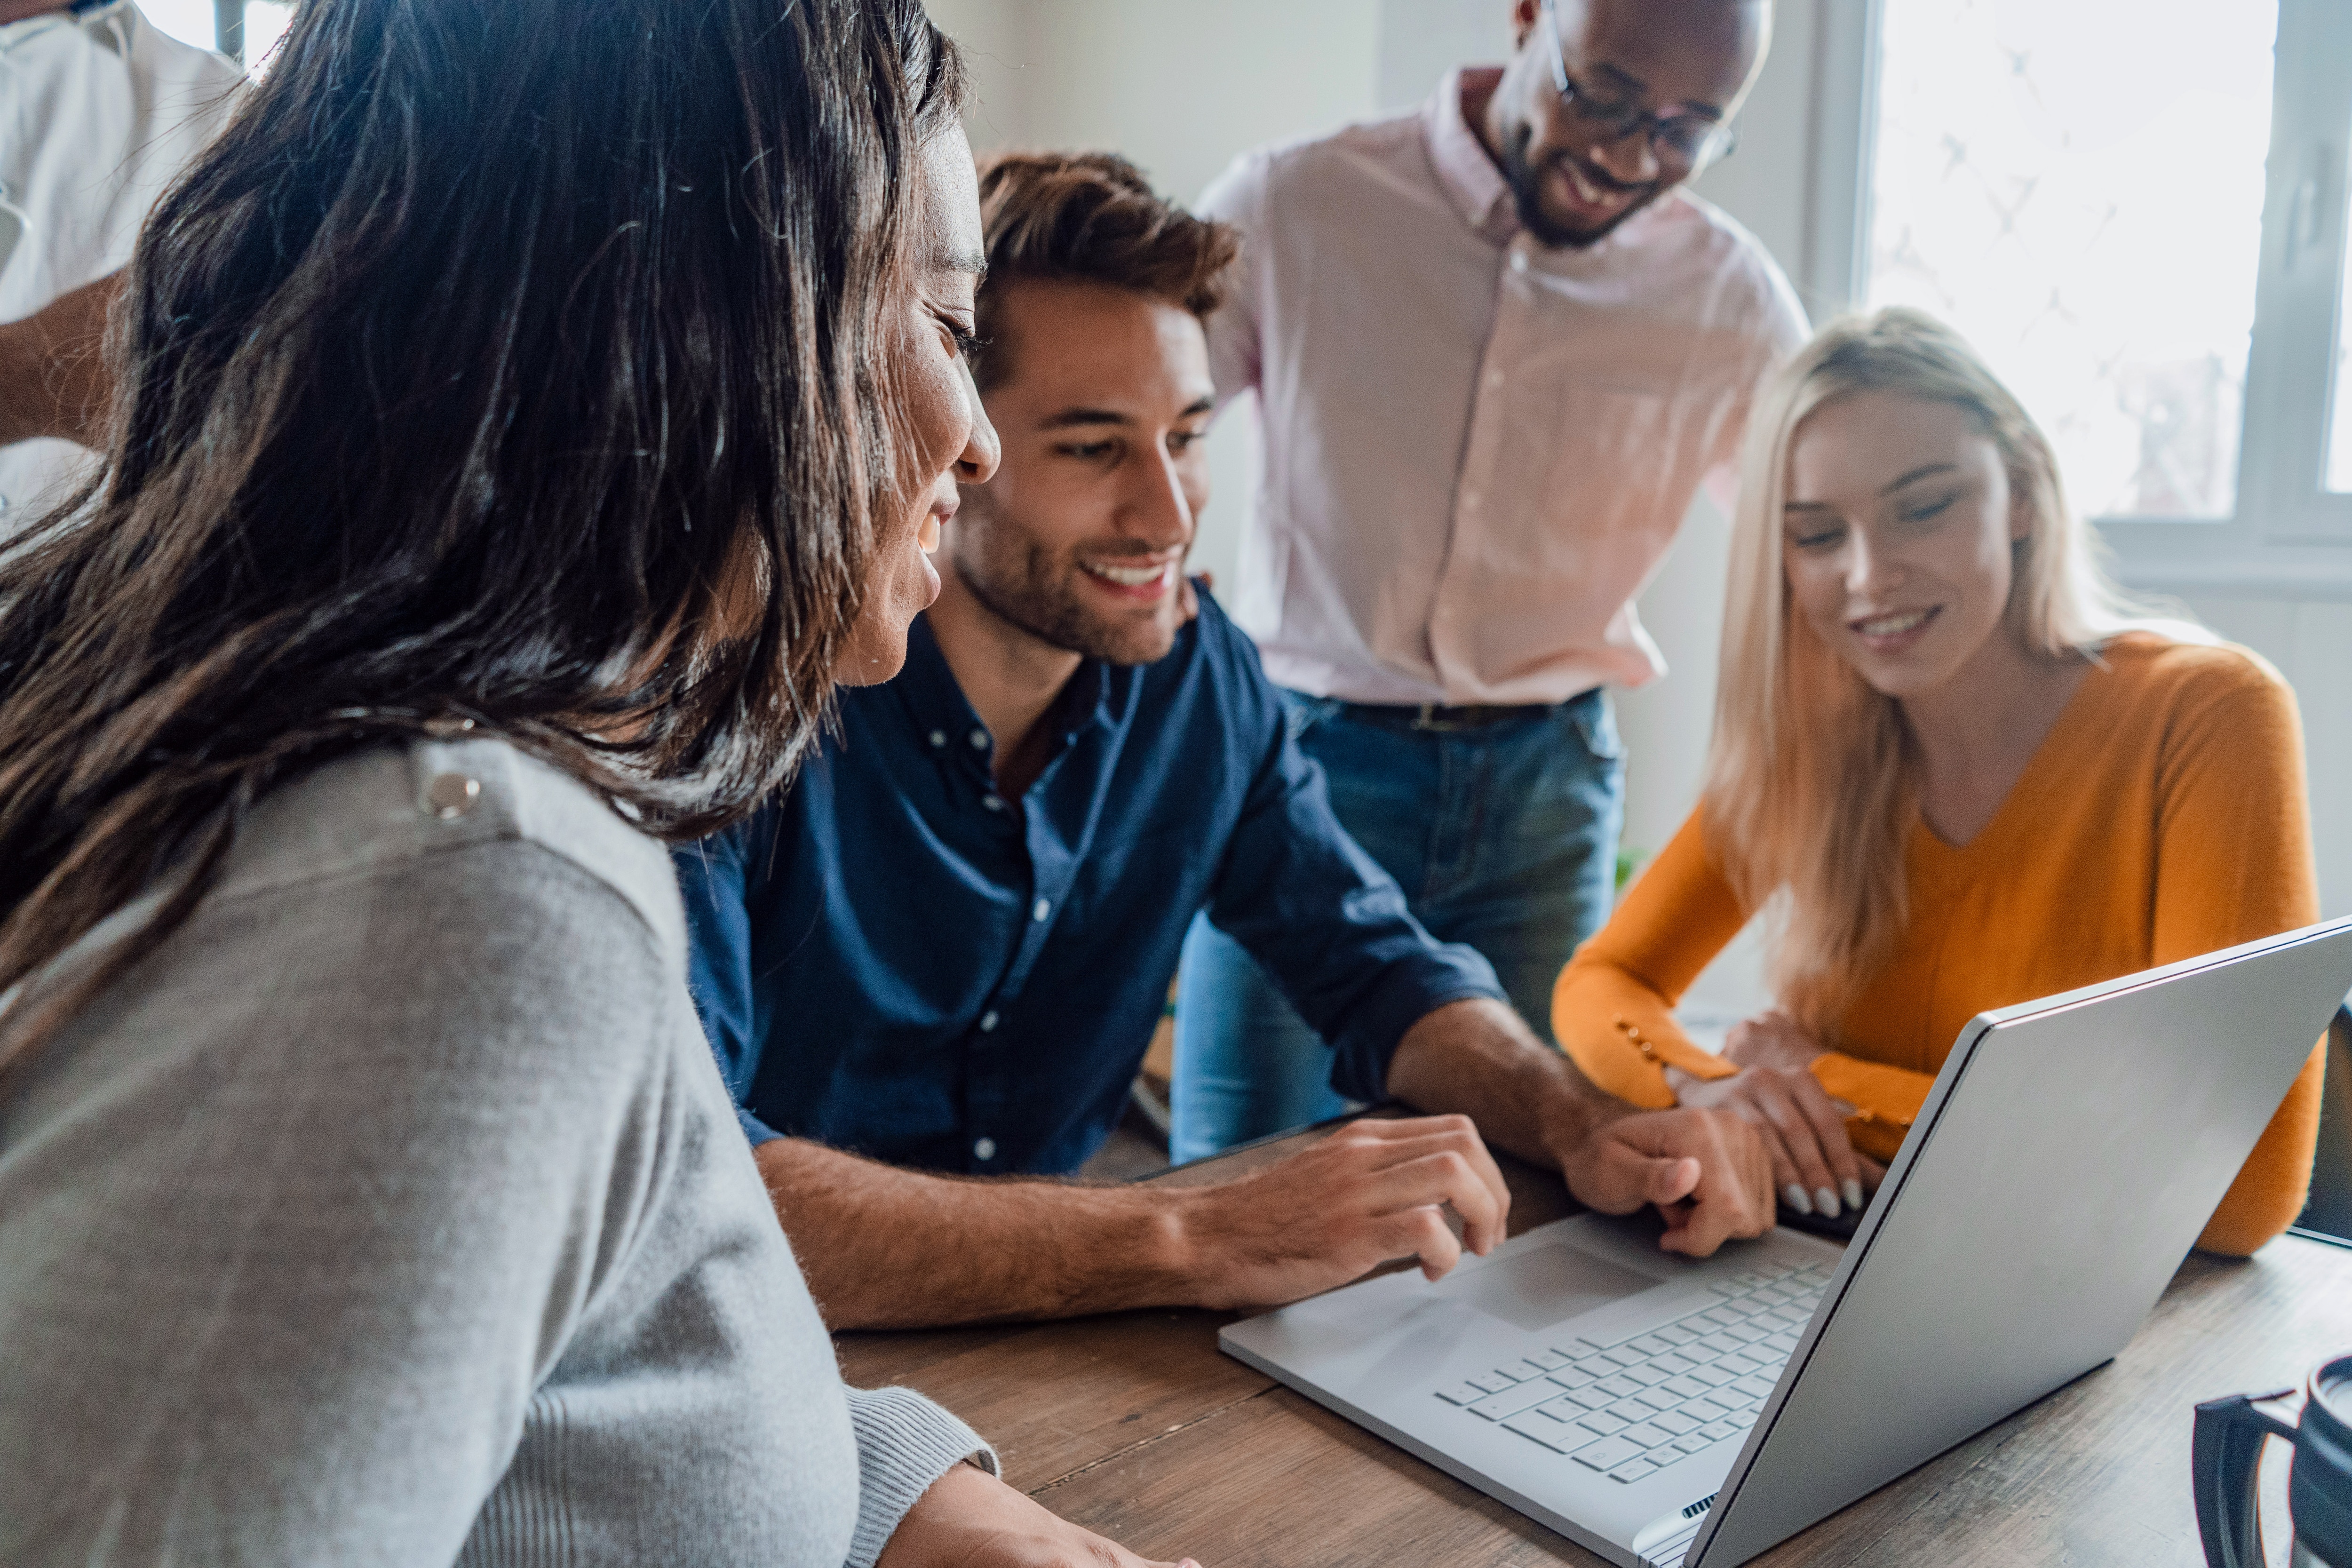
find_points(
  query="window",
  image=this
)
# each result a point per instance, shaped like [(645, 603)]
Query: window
[(245, 30), (2135, 210)]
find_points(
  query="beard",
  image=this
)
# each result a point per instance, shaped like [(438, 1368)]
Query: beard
[(1035, 590), (1525, 183)]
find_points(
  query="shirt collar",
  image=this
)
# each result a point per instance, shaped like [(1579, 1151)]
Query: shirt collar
[(939, 707), (1086, 698), (1465, 170)]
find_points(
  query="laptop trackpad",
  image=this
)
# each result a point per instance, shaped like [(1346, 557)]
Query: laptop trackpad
[(1542, 1287)]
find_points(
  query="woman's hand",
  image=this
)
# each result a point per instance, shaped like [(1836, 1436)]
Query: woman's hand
[(1813, 1162), (1771, 1039), (969, 1519)]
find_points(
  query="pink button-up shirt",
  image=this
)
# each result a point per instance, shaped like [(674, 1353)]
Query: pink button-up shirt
[(1475, 449)]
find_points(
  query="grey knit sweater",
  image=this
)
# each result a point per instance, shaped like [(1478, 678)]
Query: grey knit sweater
[(394, 1212)]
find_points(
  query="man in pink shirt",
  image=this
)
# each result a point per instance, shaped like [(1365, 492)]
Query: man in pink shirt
[(1495, 350)]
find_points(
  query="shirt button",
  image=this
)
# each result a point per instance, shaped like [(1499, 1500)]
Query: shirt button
[(1519, 261), (980, 740), (985, 1149), (1470, 500), (988, 1022), (1041, 909), (939, 737), (994, 803), (1494, 378)]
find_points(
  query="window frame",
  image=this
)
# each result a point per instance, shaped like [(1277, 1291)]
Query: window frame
[(228, 28), (2288, 536)]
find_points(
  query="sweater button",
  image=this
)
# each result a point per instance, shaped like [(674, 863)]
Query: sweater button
[(985, 1149), (451, 795)]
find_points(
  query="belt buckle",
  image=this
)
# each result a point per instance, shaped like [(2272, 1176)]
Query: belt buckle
[(1433, 718)]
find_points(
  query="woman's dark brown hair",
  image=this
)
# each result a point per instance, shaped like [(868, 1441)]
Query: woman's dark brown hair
[(490, 344)]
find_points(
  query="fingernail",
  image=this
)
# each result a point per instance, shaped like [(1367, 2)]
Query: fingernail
[(1794, 1196), (1852, 1194), (1825, 1200)]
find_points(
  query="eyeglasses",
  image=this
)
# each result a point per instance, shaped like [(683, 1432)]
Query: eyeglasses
[(1682, 140)]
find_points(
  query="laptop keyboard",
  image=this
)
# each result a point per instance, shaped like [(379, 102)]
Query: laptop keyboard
[(1634, 1406)]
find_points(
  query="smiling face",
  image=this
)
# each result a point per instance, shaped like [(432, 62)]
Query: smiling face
[(1102, 398), (1898, 538), (940, 411), (1572, 182)]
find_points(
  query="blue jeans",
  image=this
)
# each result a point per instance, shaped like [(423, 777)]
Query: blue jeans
[(1503, 837)]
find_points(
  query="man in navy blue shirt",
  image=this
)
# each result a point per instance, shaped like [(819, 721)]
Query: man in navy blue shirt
[(940, 954)]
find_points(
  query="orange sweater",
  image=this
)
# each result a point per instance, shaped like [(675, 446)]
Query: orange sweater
[(2163, 817)]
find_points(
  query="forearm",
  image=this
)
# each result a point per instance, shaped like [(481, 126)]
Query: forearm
[(1622, 1035), (1475, 1058), (53, 377), (885, 1247), (1612, 1005)]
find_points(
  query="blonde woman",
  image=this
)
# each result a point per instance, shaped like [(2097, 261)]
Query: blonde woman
[(1953, 768)]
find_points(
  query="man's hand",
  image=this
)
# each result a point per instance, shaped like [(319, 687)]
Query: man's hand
[(969, 1519), (891, 1249), (1707, 1171), (1369, 1192), (1814, 1166)]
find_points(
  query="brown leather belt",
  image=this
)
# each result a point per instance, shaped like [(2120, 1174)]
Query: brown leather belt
[(1441, 717)]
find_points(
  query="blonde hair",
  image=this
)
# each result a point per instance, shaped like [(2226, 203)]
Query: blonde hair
[(1810, 790)]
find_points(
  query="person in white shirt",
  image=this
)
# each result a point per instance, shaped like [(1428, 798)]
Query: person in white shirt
[(100, 110), (1495, 350)]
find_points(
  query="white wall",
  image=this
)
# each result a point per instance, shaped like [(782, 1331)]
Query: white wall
[(1178, 88), (1182, 88), (1421, 40)]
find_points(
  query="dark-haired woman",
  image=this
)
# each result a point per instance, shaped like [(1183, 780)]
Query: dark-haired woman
[(526, 413)]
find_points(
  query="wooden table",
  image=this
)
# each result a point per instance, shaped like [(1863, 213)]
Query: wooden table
[(1137, 1427)]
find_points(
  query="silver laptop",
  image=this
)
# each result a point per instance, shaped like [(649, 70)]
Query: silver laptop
[(1661, 1410)]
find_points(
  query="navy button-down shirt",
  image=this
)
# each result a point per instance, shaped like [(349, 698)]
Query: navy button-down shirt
[(892, 959)]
